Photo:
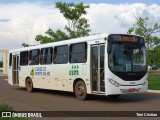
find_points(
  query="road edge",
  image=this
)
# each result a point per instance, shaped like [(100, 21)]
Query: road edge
[(153, 91)]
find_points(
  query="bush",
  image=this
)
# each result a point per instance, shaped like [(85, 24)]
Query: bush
[(5, 108)]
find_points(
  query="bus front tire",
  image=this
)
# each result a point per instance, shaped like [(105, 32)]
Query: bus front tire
[(29, 85), (80, 90)]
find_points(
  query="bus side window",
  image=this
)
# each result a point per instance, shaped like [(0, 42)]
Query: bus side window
[(46, 55), (61, 54), (24, 58), (78, 53), (34, 57)]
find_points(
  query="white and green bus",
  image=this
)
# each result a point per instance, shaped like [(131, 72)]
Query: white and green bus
[(104, 64)]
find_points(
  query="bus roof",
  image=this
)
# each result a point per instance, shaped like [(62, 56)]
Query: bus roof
[(65, 42), (70, 41)]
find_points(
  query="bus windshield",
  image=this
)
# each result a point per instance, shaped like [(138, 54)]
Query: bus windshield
[(127, 57)]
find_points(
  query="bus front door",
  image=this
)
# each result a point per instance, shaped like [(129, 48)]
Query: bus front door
[(97, 68), (15, 70)]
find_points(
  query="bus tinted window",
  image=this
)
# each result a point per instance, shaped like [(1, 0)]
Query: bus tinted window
[(78, 53), (61, 54), (10, 59), (24, 58), (34, 57), (46, 55)]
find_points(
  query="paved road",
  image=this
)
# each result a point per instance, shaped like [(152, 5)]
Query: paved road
[(49, 100)]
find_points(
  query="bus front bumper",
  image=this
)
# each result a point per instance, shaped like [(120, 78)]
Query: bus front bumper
[(114, 90)]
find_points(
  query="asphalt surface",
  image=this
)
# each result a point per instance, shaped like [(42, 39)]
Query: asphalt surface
[(50, 100)]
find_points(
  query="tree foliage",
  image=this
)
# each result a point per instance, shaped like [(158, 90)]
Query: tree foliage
[(147, 30), (25, 45), (77, 25), (154, 56)]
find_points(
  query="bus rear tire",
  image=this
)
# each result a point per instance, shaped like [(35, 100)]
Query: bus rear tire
[(80, 90), (29, 85)]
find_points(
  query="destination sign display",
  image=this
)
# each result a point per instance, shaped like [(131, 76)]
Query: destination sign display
[(125, 38), (128, 38)]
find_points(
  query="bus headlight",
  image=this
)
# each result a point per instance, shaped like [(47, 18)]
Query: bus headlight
[(114, 82), (145, 82)]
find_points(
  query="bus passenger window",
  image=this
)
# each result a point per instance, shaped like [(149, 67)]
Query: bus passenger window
[(46, 55), (24, 58), (34, 57), (61, 54), (78, 53)]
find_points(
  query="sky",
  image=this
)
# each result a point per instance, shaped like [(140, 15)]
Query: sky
[(22, 20), (85, 1)]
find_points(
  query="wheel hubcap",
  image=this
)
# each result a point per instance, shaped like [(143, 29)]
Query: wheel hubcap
[(29, 85), (80, 90)]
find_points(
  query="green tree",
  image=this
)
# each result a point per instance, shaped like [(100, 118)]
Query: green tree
[(143, 28), (77, 25), (25, 45), (153, 56)]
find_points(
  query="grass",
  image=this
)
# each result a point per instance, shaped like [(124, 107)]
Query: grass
[(5, 108), (154, 81)]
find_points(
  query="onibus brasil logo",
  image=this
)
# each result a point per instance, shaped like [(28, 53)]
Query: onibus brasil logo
[(21, 114)]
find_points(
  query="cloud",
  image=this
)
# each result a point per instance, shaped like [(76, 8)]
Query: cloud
[(21, 22), (4, 20), (117, 18), (25, 21)]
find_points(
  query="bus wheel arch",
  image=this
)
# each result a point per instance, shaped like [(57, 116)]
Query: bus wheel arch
[(29, 84), (80, 89)]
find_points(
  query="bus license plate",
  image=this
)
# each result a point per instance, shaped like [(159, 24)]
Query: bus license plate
[(131, 90)]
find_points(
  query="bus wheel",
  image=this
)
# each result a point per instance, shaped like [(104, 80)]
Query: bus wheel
[(80, 90), (29, 85)]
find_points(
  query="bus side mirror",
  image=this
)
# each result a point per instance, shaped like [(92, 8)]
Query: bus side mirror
[(109, 49)]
